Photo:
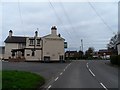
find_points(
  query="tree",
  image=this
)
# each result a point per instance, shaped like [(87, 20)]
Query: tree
[(89, 52)]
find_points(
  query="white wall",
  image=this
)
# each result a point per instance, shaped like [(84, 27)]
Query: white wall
[(8, 48), (37, 56), (53, 48), (1, 56)]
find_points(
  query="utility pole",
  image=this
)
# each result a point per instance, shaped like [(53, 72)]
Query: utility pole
[(80, 48), (82, 45)]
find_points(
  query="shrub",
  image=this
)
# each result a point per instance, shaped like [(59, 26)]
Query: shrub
[(119, 60), (114, 59)]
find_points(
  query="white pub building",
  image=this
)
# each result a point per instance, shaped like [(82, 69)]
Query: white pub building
[(46, 48)]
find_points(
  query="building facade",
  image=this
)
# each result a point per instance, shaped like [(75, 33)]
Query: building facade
[(2, 52), (104, 53), (47, 48)]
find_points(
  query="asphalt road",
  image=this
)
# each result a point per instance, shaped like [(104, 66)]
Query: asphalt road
[(77, 74), (87, 74), (47, 70)]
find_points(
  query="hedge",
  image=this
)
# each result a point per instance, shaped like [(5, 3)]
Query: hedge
[(115, 59)]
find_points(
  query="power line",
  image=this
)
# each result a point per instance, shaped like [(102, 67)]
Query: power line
[(21, 19), (19, 9), (100, 17), (59, 19), (67, 17), (55, 11)]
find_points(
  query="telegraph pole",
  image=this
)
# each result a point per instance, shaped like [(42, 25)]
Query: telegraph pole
[(82, 45)]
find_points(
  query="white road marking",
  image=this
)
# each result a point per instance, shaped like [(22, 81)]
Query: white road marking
[(49, 87), (92, 73), (87, 65), (103, 86), (56, 79), (66, 67), (61, 73), (69, 64), (64, 70)]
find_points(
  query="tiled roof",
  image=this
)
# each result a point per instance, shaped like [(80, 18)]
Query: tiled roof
[(15, 39), (71, 51), (103, 50), (50, 36)]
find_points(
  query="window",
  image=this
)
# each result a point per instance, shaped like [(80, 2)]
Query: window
[(38, 41), (31, 42), (28, 54)]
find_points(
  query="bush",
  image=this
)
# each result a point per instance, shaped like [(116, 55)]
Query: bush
[(114, 59), (119, 60)]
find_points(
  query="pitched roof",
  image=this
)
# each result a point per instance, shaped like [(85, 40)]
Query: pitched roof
[(104, 50), (71, 52), (51, 36), (15, 39)]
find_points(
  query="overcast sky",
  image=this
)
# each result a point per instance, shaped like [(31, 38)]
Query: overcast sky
[(94, 22)]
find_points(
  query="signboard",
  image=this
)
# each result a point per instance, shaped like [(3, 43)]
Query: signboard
[(65, 44)]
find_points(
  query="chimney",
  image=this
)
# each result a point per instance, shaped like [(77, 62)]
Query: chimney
[(54, 30), (36, 33), (59, 35), (10, 33)]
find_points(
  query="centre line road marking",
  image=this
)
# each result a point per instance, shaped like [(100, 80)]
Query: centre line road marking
[(49, 87), (66, 67), (103, 86), (56, 79), (87, 65), (69, 64), (61, 73), (92, 73)]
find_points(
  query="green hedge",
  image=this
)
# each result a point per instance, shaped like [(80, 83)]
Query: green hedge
[(115, 59), (119, 60)]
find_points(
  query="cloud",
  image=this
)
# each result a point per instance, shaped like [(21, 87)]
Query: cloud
[(83, 21)]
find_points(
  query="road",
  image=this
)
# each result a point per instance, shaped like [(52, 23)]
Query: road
[(87, 74), (47, 70), (77, 74)]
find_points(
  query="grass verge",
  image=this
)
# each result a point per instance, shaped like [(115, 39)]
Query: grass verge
[(21, 80)]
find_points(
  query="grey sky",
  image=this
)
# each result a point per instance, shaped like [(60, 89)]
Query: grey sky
[(86, 24)]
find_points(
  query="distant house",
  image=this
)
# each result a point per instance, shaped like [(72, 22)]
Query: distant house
[(49, 47), (2, 52), (104, 53), (73, 55)]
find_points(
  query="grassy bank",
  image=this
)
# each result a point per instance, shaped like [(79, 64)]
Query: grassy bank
[(21, 80)]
